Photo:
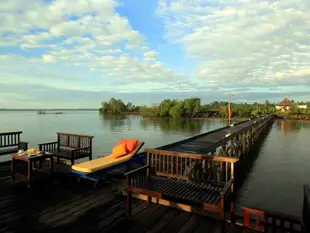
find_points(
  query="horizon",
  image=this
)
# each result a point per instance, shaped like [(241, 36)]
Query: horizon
[(149, 105), (77, 53)]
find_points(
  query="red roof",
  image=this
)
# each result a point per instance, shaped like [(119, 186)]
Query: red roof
[(285, 102)]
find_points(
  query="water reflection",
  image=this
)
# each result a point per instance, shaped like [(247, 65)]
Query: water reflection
[(116, 122), (287, 126), (167, 125)]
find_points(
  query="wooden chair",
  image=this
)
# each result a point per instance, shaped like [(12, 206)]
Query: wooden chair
[(69, 146)]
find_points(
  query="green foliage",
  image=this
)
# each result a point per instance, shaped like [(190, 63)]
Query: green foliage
[(117, 106), (191, 107)]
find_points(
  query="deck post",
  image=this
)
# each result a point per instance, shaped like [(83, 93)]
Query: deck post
[(128, 204), (243, 138)]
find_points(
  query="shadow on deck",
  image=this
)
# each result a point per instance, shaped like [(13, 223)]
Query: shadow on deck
[(66, 206)]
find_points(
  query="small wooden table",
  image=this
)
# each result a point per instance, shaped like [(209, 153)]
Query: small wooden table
[(31, 162)]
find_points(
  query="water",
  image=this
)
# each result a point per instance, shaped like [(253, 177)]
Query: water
[(273, 181), (106, 129)]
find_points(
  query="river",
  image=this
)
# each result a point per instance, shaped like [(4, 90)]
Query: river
[(275, 176)]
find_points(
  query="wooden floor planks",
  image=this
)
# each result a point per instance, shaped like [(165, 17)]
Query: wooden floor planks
[(66, 206)]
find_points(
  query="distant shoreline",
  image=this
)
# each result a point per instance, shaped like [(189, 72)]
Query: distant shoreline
[(47, 110)]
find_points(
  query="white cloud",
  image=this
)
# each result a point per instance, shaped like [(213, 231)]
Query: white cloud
[(150, 55), (242, 43), (48, 58), (88, 34)]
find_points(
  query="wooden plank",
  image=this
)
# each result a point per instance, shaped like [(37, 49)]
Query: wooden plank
[(100, 213), (105, 223), (204, 226), (148, 219), (164, 221), (191, 225), (75, 212), (176, 224)]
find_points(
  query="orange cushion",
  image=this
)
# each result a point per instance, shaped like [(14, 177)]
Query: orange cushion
[(130, 144), (119, 150)]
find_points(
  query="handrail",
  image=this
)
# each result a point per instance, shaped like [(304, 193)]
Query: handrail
[(270, 220), (10, 133), (78, 135)]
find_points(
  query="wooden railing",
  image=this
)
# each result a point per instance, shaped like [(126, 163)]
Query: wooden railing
[(306, 208), (191, 166), (50, 146), (270, 221), (267, 221), (10, 139)]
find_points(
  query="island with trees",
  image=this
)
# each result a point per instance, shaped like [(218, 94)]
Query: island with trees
[(193, 108)]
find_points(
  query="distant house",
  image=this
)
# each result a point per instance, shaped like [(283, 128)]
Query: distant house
[(286, 104), (154, 105)]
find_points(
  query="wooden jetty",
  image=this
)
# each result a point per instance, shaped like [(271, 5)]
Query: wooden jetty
[(204, 163), (48, 112)]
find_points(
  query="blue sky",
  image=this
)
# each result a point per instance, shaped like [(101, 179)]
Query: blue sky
[(77, 53)]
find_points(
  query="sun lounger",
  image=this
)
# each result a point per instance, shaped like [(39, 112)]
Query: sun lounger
[(95, 169)]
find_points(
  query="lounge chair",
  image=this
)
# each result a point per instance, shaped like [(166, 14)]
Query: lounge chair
[(95, 169)]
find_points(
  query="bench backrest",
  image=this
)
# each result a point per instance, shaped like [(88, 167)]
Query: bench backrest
[(191, 166), (74, 141), (9, 139)]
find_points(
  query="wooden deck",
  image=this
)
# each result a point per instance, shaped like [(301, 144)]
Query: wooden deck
[(66, 206), (205, 142)]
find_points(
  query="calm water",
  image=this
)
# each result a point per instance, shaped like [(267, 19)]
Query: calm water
[(274, 179), (280, 170), (107, 129)]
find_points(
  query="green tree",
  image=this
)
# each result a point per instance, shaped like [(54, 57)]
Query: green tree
[(177, 111), (192, 107), (164, 107)]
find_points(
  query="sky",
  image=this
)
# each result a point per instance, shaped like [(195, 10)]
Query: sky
[(78, 53)]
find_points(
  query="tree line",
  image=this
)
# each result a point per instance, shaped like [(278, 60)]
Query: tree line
[(192, 108)]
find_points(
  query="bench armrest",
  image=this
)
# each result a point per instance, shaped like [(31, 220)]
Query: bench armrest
[(81, 152), (136, 171), (23, 145), (48, 146), (137, 176)]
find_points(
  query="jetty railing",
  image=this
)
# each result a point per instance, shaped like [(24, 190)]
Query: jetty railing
[(231, 141), (270, 221)]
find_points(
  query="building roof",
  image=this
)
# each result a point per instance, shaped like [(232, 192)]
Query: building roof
[(285, 102)]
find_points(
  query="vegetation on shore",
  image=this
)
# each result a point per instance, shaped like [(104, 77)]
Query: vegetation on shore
[(192, 107)]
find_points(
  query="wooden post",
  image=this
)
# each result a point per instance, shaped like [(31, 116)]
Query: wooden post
[(128, 199), (13, 169), (229, 95), (91, 148)]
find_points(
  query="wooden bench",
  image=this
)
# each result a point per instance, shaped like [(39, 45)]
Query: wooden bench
[(180, 179), (10, 143), (69, 147)]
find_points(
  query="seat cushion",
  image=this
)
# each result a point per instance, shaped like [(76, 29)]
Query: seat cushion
[(100, 164), (118, 150), (130, 144)]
